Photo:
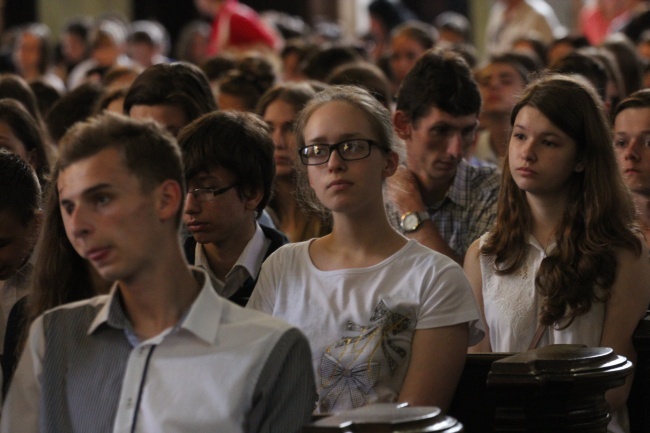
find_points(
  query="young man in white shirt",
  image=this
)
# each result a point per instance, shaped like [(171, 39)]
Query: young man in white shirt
[(162, 351)]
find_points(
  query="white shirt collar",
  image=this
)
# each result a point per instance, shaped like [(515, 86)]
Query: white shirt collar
[(202, 319), (248, 263)]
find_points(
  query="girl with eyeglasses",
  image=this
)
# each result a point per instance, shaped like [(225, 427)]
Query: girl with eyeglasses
[(387, 319)]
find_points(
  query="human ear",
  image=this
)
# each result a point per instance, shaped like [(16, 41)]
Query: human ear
[(169, 197), (253, 198), (392, 162), (580, 166), (402, 125)]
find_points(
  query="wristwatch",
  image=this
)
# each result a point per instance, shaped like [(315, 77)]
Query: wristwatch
[(411, 221)]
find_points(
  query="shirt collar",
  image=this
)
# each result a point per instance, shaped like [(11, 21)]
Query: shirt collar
[(250, 259), (532, 241), (202, 319)]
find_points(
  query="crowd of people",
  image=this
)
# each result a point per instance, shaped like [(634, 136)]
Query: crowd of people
[(275, 222)]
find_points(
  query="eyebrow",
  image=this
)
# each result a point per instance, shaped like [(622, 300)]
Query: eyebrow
[(447, 124), (342, 137), (89, 191), (645, 131), (543, 133), (202, 177)]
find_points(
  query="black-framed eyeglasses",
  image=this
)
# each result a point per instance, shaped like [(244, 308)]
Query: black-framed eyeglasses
[(209, 194), (348, 150)]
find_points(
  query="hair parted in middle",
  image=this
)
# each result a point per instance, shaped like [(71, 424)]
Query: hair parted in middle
[(599, 216), (377, 115)]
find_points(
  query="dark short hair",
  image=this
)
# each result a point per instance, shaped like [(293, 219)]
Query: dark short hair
[(425, 34), (390, 12), (321, 62), (251, 77), (46, 95), (366, 75), (585, 65), (216, 66), (73, 107), (149, 152), (15, 87), (179, 84), (441, 79), (638, 99), (236, 141), (20, 192), (295, 94), (525, 64)]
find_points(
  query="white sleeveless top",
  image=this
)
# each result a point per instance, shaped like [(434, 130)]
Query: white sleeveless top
[(512, 306)]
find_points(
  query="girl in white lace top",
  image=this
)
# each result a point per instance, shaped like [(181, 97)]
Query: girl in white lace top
[(565, 252)]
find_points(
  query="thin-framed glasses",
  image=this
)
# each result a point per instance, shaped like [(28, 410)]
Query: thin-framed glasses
[(348, 150), (209, 194)]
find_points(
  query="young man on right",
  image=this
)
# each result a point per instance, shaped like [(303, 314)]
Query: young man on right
[(442, 201), (631, 138)]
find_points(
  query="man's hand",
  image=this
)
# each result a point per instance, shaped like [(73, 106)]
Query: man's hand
[(404, 192)]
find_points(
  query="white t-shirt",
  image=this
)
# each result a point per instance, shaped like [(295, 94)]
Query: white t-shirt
[(360, 322)]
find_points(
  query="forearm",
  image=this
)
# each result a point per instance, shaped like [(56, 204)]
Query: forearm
[(432, 376)]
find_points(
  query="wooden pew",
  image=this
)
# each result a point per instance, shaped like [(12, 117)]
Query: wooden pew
[(637, 402), (475, 403)]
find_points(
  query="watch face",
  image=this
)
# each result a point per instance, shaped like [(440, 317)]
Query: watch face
[(411, 222)]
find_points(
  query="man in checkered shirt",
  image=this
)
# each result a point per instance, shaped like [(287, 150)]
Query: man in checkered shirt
[(439, 199)]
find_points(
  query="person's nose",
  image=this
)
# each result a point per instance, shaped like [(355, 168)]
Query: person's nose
[(78, 222), (335, 162), (631, 152), (192, 205), (455, 146)]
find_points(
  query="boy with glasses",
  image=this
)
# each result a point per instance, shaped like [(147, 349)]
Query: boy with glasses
[(229, 167)]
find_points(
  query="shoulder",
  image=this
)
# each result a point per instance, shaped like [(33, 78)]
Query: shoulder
[(77, 316), (632, 279), (290, 251), (425, 261), (94, 303), (474, 250), (636, 267), (253, 324)]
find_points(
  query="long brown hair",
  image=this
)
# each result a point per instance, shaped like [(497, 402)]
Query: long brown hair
[(599, 216)]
